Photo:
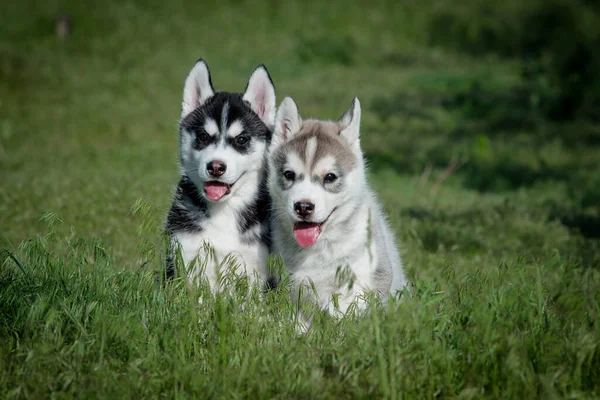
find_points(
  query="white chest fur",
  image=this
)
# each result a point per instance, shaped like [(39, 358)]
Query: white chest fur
[(219, 250)]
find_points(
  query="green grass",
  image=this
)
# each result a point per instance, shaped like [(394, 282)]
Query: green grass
[(503, 254)]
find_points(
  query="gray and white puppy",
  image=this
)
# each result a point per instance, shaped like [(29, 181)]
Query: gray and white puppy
[(327, 223)]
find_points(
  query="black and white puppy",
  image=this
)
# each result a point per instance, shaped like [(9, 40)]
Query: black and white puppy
[(221, 207)]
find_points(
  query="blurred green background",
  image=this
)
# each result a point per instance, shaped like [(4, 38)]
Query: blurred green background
[(503, 95), (467, 104)]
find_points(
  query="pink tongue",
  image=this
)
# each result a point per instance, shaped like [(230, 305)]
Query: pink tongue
[(215, 190), (306, 233)]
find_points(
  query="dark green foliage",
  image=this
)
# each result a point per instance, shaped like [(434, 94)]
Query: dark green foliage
[(327, 50), (556, 40)]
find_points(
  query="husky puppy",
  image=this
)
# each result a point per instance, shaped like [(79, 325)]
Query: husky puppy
[(327, 223), (221, 206)]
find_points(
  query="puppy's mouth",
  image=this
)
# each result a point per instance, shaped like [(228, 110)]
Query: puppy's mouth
[(216, 190), (307, 233)]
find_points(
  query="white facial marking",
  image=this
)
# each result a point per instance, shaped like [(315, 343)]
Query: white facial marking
[(311, 148), (211, 127), (235, 129)]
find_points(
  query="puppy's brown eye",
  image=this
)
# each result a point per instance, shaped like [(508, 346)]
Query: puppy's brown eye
[(241, 140), (289, 175), (204, 137), (329, 178)]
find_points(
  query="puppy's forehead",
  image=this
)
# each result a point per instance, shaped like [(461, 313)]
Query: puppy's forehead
[(318, 145), (225, 109)]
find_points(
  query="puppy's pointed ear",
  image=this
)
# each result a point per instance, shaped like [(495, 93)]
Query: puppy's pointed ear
[(260, 93), (350, 123), (198, 88), (287, 123)]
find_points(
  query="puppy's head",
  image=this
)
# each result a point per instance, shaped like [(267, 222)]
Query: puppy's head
[(224, 135), (314, 170)]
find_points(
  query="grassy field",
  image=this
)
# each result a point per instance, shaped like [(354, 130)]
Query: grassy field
[(496, 208)]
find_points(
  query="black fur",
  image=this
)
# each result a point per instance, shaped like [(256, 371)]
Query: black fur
[(257, 214), (189, 209)]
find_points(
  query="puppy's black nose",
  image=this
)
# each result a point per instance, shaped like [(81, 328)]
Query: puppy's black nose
[(216, 168), (304, 208)]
